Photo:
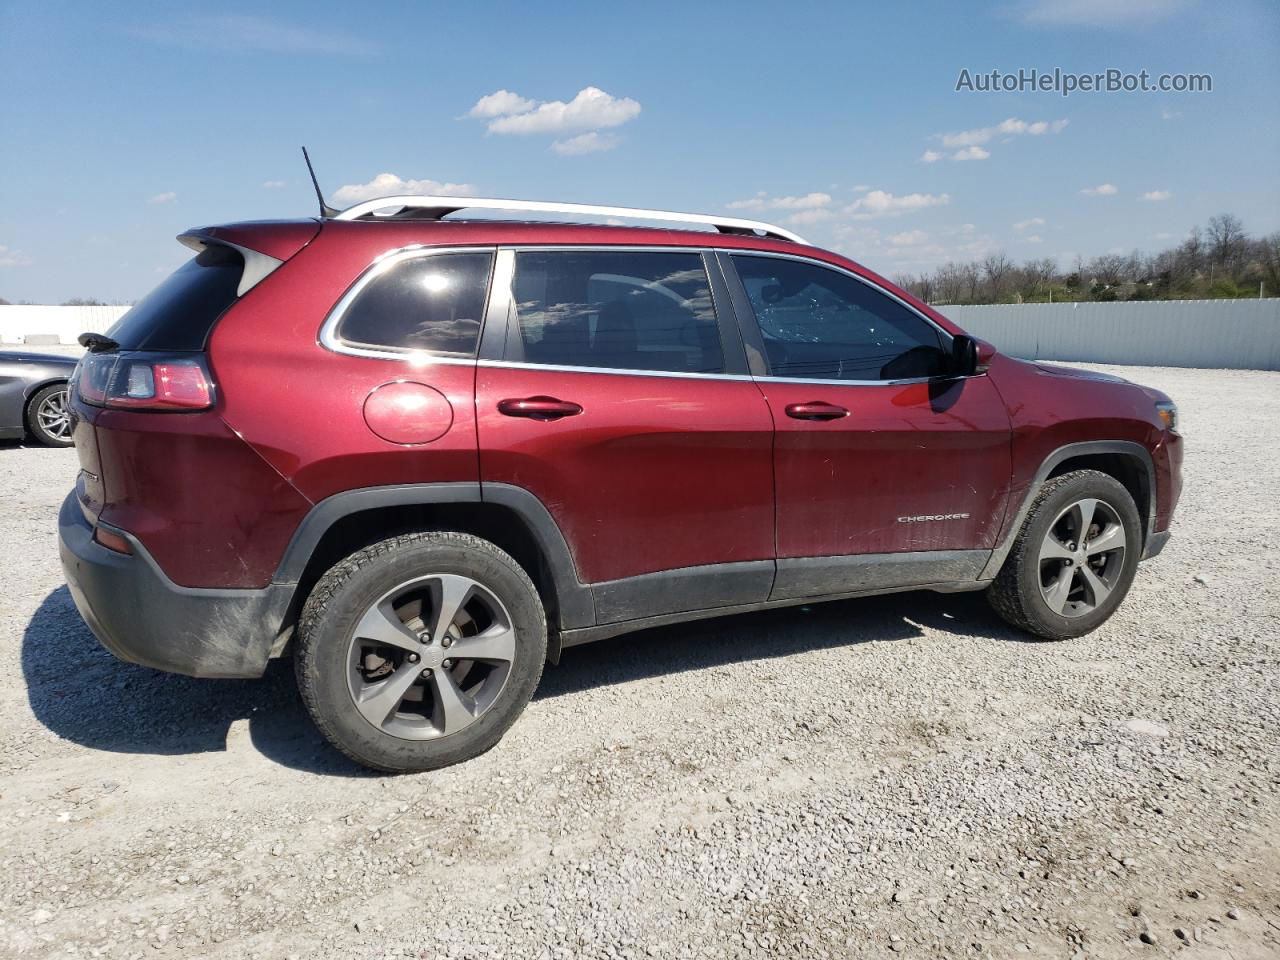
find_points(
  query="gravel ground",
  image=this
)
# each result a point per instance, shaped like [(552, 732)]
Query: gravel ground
[(900, 775)]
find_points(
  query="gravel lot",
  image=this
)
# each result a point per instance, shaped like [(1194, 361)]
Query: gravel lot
[(894, 775)]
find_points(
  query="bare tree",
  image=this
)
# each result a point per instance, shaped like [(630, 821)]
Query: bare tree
[(1227, 240)]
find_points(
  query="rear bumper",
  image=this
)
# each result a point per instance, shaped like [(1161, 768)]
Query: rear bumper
[(143, 617)]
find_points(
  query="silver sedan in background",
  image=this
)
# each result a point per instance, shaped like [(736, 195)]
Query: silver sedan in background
[(33, 397)]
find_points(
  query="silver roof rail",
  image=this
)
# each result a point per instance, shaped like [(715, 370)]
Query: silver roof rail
[(436, 208)]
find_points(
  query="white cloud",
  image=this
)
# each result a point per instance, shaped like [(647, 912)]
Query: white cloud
[(273, 184), (1032, 222), (909, 238), (1101, 190), (592, 142), (1167, 114), (241, 32), (861, 188), (13, 258), (762, 201), (880, 203), (591, 109), (930, 156), (974, 152), (390, 185), (501, 103), (167, 197), (1011, 127), (807, 217), (1033, 238), (1096, 13), (1157, 195)]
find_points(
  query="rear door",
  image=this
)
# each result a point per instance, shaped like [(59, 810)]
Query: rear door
[(888, 470), (620, 398)]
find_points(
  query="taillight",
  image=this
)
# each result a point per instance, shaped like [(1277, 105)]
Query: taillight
[(142, 381)]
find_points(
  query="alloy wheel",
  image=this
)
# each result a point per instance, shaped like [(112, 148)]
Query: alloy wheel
[(54, 417), (1082, 558), (430, 657)]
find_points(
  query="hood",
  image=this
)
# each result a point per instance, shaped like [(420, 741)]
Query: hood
[(1075, 373)]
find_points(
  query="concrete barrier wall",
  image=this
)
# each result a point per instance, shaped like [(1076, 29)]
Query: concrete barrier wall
[(1241, 334), (34, 326)]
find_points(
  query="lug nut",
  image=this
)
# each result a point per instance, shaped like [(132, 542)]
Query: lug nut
[(426, 672), (413, 658), (424, 638), (447, 664), (446, 642), (1071, 563)]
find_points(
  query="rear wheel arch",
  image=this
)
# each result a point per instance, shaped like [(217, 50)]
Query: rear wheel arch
[(509, 517)]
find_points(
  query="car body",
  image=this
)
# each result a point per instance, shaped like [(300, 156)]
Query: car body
[(656, 425), (23, 376)]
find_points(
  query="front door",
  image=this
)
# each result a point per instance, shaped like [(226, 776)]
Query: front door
[(888, 472), (619, 404)]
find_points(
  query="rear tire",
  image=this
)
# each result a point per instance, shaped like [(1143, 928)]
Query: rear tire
[(382, 645), (1073, 560), (49, 416)]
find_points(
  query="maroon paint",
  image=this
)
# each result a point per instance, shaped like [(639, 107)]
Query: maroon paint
[(407, 412), (901, 451), (653, 473)]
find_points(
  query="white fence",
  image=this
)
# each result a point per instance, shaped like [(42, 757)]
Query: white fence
[(49, 325), (1241, 334)]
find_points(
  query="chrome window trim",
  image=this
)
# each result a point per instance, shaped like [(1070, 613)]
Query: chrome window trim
[(624, 371), (328, 336), (946, 334)]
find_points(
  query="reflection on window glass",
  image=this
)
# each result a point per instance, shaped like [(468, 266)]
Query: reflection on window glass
[(821, 324), (428, 303), (630, 311)]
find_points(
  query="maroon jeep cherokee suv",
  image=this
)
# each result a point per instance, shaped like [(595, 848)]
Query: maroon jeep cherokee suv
[(425, 455)]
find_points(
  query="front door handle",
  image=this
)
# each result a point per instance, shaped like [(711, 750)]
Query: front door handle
[(815, 410), (539, 408)]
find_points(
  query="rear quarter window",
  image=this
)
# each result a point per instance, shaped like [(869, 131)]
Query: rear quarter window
[(433, 303), (180, 313)]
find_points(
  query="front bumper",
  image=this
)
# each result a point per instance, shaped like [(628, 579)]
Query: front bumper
[(143, 617)]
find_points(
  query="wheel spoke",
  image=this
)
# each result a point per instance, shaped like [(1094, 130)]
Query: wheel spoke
[(497, 643), (381, 625), (1112, 538), (1097, 589), (378, 701), (1054, 549), (1084, 512), (454, 709), (448, 594), (1056, 593)]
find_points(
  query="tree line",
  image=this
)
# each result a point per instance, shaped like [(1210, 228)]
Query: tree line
[(1220, 261)]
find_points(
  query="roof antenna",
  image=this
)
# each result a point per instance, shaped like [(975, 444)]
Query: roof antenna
[(325, 210)]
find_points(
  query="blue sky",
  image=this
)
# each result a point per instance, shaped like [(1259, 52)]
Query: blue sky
[(126, 123)]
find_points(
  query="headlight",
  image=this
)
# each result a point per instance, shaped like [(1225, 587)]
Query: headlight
[(1167, 411)]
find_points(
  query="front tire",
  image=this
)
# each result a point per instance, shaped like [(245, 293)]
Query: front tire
[(49, 416), (420, 651), (1073, 560)]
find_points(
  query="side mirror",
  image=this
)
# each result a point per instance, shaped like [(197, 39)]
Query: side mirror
[(970, 356)]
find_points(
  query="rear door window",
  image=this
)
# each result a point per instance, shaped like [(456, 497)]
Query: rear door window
[(623, 310), (180, 313), (433, 303)]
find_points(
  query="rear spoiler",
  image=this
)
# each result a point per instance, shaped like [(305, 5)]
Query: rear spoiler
[(264, 246)]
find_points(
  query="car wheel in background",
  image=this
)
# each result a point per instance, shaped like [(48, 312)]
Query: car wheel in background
[(49, 416)]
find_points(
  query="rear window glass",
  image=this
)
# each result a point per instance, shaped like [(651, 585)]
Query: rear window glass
[(431, 303), (180, 313)]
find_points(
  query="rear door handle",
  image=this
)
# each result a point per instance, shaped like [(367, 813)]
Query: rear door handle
[(539, 408), (815, 410)]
